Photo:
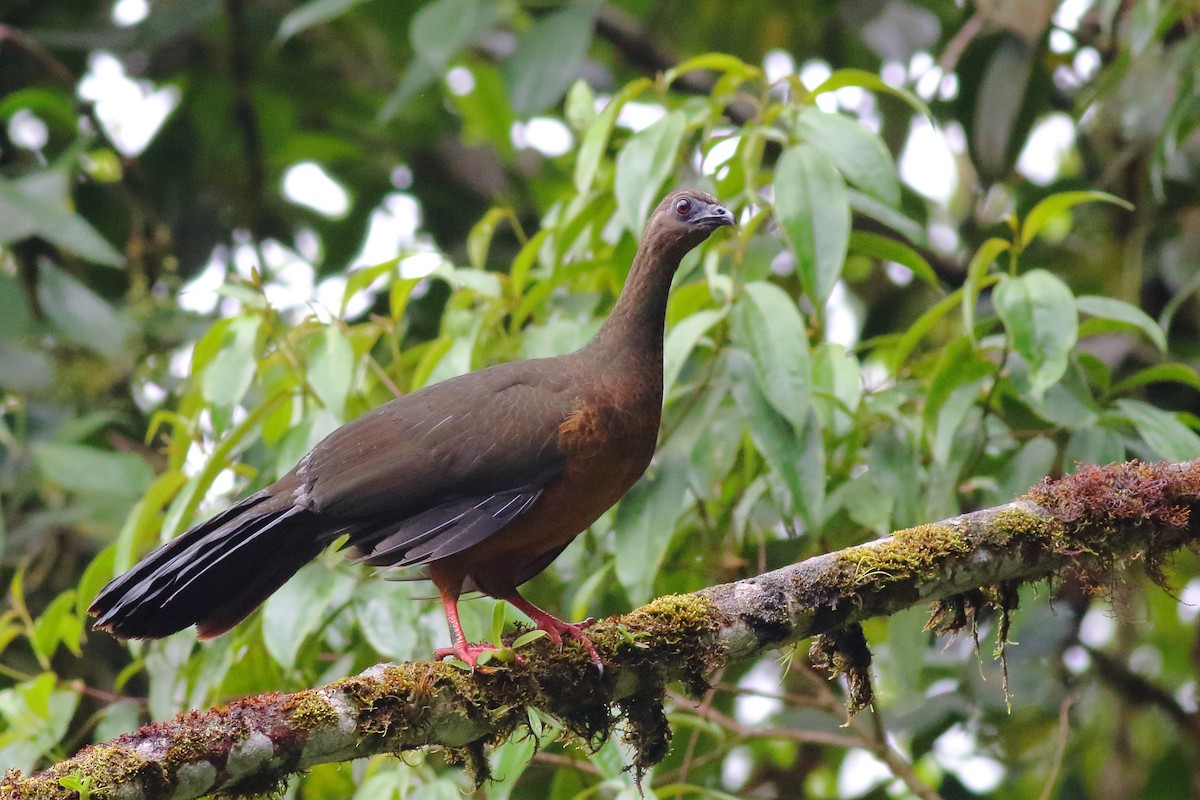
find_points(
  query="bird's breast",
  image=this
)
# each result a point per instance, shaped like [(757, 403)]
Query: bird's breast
[(607, 448)]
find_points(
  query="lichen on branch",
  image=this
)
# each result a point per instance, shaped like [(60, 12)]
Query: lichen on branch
[(1088, 525)]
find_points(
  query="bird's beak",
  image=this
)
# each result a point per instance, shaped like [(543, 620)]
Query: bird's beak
[(716, 217)]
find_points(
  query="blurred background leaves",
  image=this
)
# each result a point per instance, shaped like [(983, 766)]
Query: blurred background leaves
[(967, 258)]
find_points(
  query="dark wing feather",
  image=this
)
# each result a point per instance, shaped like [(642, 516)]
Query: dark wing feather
[(445, 530), (424, 476), (215, 574), (489, 432)]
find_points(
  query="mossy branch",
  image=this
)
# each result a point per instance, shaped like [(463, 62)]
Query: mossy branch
[(1086, 525)]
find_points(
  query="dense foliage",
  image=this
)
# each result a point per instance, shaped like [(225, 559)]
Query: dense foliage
[(855, 357)]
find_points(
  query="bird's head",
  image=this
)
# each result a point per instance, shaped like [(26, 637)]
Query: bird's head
[(684, 219)]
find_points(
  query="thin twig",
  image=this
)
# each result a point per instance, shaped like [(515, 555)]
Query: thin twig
[(1064, 734)]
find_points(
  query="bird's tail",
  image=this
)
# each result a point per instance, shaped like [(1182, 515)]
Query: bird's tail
[(215, 574)]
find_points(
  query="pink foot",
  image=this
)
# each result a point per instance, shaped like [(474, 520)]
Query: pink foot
[(469, 653), (556, 629)]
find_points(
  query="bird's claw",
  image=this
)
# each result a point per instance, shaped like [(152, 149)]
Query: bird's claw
[(470, 653), (557, 628)]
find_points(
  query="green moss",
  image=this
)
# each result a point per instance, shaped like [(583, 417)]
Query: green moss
[(1025, 527), (918, 552), (309, 710), (844, 651), (108, 765), (654, 643), (112, 766), (675, 631)]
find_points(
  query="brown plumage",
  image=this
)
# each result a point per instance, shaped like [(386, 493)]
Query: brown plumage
[(481, 480)]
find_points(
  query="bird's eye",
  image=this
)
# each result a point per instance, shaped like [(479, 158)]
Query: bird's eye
[(683, 206)]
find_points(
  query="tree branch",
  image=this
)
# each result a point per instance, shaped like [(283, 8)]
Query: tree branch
[(1087, 525)]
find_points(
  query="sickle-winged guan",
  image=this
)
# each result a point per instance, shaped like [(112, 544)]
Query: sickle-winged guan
[(482, 479)]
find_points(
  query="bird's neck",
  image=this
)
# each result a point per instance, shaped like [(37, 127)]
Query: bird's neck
[(634, 329)]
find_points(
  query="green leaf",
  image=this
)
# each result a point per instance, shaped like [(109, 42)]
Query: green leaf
[(98, 573), (1093, 445), (960, 363), (383, 786), (360, 279), (121, 716), (442, 28), (486, 112), (298, 608), (772, 434), (769, 326), (1034, 461), (723, 63), (16, 319), (228, 376), (438, 32), (1159, 373), (82, 316), (951, 415), (498, 623), (331, 369), (417, 77), (509, 760), (399, 295), (479, 239), (1038, 310), (51, 105), (387, 621), (548, 57), (813, 210), (645, 523), (25, 370), (579, 110), (867, 505), (91, 470), (857, 151), (812, 475), (529, 636), (868, 206), (187, 499), (920, 329), (682, 339), (1161, 430), (37, 716), (984, 257), (595, 141), (1125, 313), (1056, 204), (888, 249), (313, 13), (643, 164), (143, 523), (837, 387), (872, 81), (477, 280), (587, 589), (58, 625), (39, 205), (1001, 95)]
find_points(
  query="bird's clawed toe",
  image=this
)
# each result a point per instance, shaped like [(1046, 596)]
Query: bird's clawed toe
[(464, 651), (556, 629)]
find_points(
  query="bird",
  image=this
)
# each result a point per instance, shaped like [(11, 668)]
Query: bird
[(477, 482)]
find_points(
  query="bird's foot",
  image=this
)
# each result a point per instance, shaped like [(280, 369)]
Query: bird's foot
[(469, 653), (556, 629)]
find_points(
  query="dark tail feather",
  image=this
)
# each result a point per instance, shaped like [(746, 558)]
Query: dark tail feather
[(214, 575)]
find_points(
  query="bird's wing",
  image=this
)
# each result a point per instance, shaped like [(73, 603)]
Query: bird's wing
[(443, 530), (434, 472)]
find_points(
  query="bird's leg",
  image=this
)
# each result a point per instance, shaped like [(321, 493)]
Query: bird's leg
[(556, 628), (460, 648)]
